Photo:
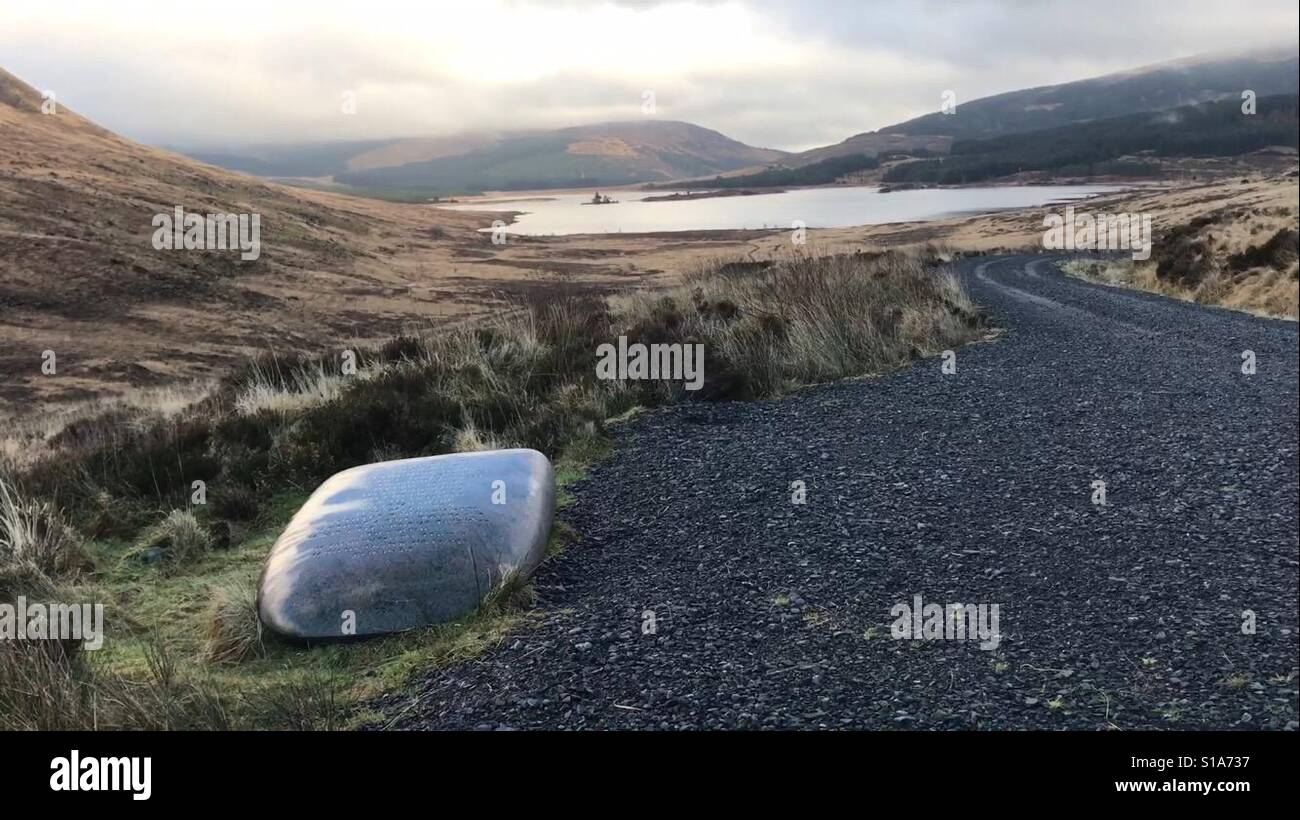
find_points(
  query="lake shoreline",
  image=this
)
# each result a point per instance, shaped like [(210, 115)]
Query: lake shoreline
[(746, 211)]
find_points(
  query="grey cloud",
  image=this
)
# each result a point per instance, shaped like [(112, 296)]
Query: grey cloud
[(861, 66)]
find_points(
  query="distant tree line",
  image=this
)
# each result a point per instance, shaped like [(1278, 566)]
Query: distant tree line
[(1216, 129), (816, 173)]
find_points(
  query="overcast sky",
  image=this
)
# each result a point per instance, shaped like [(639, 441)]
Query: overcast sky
[(781, 74)]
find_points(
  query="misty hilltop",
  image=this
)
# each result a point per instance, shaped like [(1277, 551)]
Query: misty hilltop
[(660, 151), (1201, 79), (612, 153)]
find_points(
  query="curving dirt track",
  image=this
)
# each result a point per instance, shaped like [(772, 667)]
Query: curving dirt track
[(976, 487)]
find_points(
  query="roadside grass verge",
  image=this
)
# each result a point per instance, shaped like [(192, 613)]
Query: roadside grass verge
[(1228, 260), (183, 646)]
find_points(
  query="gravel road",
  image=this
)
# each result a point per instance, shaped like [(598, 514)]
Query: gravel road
[(974, 488)]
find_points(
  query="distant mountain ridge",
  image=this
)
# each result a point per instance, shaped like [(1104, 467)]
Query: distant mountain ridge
[(1204, 78), (615, 153), (321, 159), (612, 153), (1129, 145), (656, 151), (1149, 88)]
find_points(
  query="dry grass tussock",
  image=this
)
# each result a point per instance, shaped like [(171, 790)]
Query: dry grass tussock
[(33, 533), (1245, 257), (42, 690), (26, 438), (291, 389), (234, 631), (1269, 293), (179, 537), (768, 329)]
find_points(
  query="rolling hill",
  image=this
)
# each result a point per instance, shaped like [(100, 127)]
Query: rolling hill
[(1131, 145), (1051, 110), (657, 151), (79, 274), (325, 159), (605, 154), (1150, 88), (321, 159), (591, 155)]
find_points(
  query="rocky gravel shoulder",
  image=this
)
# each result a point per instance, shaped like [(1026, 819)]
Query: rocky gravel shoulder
[(701, 596)]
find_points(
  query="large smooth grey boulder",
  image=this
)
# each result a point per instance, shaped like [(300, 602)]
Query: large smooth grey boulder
[(401, 544)]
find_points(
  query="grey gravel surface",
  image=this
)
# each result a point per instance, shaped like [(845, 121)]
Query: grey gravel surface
[(968, 488)]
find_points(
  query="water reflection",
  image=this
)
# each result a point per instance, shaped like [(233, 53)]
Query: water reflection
[(837, 207)]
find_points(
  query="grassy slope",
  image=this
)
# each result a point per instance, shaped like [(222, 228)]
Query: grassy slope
[(79, 274)]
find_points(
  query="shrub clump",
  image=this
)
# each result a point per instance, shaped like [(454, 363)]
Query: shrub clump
[(234, 631), (1280, 253), (805, 320), (33, 534), (177, 539)]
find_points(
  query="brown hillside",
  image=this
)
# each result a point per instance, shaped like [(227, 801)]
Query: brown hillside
[(79, 274)]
